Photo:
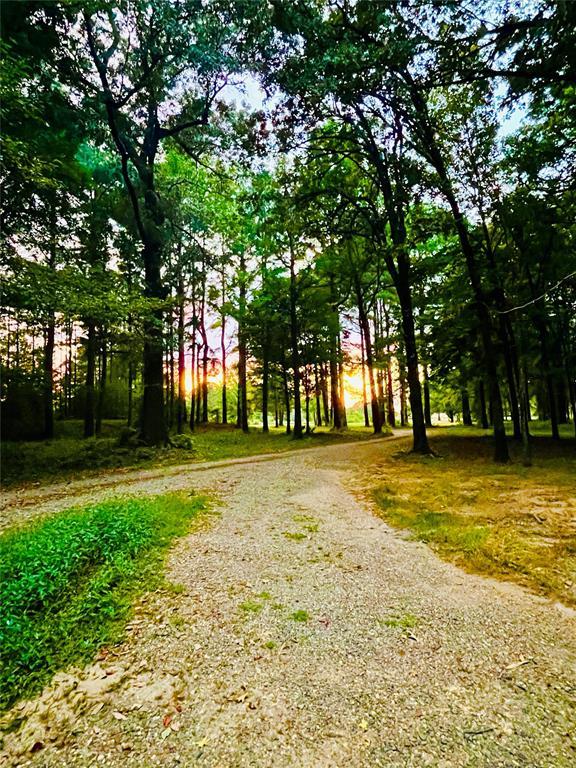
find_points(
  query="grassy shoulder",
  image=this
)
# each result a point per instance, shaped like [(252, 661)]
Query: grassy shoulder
[(68, 582), (509, 522), (69, 454)]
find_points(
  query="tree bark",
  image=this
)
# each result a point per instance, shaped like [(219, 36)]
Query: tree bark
[(242, 350), (265, 384), (297, 431), (48, 378), (367, 351), (223, 354), (427, 409), (286, 395), (89, 401), (181, 408), (102, 385), (466, 414), (317, 396)]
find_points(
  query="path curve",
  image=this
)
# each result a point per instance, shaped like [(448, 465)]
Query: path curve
[(308, 633)]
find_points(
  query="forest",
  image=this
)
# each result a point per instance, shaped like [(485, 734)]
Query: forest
[(236, 228), (224, 210)]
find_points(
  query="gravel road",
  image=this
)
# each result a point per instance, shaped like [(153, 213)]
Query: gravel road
[(305, 632)]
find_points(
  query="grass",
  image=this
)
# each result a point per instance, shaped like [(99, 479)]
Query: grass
[(250, 606), (68, 582), (294, 536), (69, 454), (300, 616), (506, 521), (405, 622)]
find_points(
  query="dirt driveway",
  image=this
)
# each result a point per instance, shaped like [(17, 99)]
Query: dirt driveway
[(305, 632)]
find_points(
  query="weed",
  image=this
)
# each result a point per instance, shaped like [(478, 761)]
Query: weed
[(249, 606), (407, 621), (313, 528), (294, 536), (301, 616)]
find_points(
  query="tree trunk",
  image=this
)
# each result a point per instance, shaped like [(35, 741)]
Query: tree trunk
[(466, 414), (48, 370), (427, 409), (367, 351), (334, 393), (286, 396), (198, 383), (297, 432), (324, 389), (484, 319), (276, 415), (307, 396), (153, 429), (224, 369), (89, 401), (192, 419), (342, 403), (265, 383), (420, 439), (317, 395), (49, 334), (181, 408), (102, 386), (205, 379), (242, 351)]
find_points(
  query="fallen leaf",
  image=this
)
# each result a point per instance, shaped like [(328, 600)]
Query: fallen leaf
[(517, 664), (167, 720), (119, 715)]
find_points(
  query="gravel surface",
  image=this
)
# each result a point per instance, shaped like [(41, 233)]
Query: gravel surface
[(306, 632)]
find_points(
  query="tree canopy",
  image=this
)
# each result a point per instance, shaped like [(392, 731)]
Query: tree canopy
[(234, 210)]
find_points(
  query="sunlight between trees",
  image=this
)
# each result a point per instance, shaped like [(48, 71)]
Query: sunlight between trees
[(224, 210)]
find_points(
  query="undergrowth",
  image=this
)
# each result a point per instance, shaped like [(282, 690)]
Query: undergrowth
[(67, 582), (69, 453)]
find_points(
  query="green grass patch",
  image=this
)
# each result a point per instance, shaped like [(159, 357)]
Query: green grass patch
[(303, 519), (67, 582), (451, 531), (294, 535), (301, 616), (250, 606), (406, 621)]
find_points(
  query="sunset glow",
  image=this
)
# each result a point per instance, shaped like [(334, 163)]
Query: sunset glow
[(352, 384)]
